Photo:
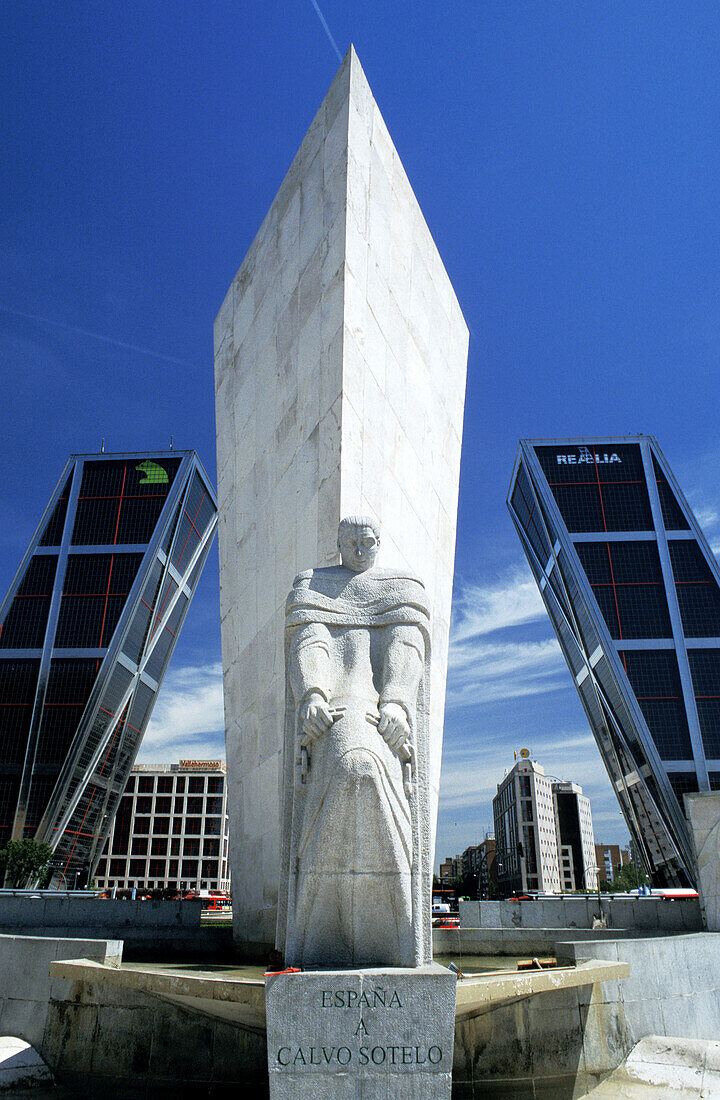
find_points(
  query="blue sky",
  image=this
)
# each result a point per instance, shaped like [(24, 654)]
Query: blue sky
[(567, 160)]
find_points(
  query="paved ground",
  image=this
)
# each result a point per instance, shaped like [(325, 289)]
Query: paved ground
[(660, 1067)]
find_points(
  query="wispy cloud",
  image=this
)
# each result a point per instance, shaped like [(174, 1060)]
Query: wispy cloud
[(707, 516), (325, 27), (513, 600), (75, 330), (483, 669), (188, 718)]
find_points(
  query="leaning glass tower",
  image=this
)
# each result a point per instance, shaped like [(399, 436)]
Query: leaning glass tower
[(633, 591), (86, 633)]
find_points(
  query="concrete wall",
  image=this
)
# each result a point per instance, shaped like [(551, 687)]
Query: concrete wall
[(673, 987), (703, 813), (455, 943), (148, 928), (104, 1041), (340, 359), (681, 915), (25, 979), (559, 1045)]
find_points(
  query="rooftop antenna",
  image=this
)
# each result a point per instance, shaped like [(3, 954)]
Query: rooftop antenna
[(102, 447)]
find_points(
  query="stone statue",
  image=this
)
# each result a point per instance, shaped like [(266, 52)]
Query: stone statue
[(356, 875)]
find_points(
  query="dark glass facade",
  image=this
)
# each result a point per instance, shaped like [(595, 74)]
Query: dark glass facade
[(633, 592), (86, 633)]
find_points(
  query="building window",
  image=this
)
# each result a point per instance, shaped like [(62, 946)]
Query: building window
[(145, 784), (189, 869), (196, 784), (177, 826), (137, 868), (139, 846), (143, 805), (163, 805), (626, 579), (191, 846), (142, 825), (194, 805), (162, 825), (175, 846), (193, 826), (179, 805), (164, 784), (157, 868), (159, 847), (180, 784), (215, 784)]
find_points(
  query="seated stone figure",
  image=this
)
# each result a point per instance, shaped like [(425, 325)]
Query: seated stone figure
[(355, 860)]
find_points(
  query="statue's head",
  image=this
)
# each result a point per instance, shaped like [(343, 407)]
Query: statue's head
[(358, 542)]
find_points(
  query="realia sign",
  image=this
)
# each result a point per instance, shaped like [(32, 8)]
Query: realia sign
[(585, 455)]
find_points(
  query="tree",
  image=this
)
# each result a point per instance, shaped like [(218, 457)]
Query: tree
[(628, 877), (23, 860)]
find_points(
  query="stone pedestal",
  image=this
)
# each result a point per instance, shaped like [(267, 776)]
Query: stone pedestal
[(385, 1033), (703, 814)]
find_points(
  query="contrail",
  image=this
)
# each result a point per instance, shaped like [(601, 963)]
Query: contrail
[(96, 336), (321, 17)]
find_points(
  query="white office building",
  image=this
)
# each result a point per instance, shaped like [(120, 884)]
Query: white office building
[(170, 831), (543, 833)]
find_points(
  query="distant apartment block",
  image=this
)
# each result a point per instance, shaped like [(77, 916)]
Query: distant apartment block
[(450, 869), (170, 831), (477, 860), (610, 858), (632, 589), (543, 833), (87, 629)]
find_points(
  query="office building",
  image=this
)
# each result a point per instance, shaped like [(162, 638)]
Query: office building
[(610, 858), (487, 871), (170, 831), (86, 632), (543, 833), (575, 840), (633, 592)]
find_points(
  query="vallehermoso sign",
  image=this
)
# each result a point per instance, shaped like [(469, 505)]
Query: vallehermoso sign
[(201, 765)]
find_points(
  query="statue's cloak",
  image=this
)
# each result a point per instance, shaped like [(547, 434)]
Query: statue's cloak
[(374, 599)]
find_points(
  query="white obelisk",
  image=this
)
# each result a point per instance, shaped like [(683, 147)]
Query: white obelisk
[(340, 361)]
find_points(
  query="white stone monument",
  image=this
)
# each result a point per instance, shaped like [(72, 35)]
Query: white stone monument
[(340, 358), (356, 874)]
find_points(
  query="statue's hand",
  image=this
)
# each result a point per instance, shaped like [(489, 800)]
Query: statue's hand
[(315, 719), (394, 726)]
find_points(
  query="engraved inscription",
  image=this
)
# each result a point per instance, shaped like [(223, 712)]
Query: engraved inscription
[(350, 998)]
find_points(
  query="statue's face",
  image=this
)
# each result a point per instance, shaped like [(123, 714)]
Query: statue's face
[(358, 548)]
